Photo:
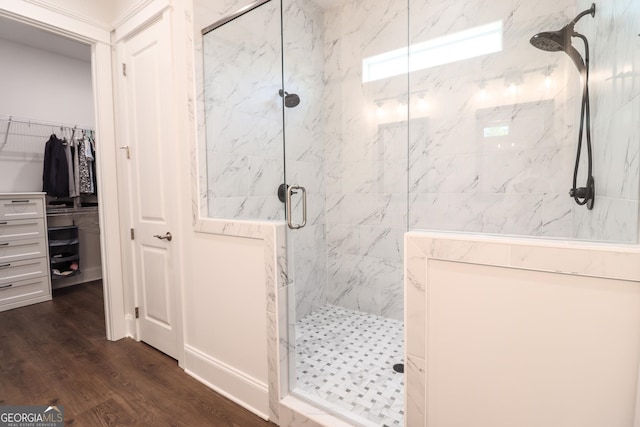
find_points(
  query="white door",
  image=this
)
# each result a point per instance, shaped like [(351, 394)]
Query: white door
[(147, 92)]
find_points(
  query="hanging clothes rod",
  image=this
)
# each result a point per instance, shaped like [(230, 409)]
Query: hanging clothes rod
[(43, 123)]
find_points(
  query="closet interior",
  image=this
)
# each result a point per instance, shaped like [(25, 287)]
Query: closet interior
[(47, 144)]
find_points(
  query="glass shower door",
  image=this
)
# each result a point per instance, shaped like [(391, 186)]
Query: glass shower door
[(346, 143)]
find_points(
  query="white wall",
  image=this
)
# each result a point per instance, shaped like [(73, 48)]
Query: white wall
[(39, 85), (225, 317), (44, 85)]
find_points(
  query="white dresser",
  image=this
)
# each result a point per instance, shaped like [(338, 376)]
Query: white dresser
[(24, 259)]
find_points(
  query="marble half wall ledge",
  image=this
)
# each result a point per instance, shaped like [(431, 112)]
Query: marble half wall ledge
[(250, 229), (592, 259)]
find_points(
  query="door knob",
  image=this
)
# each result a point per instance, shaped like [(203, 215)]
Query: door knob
[(166, 237)]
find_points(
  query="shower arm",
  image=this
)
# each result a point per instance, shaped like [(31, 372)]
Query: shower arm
[(569, 30), (591, 11)]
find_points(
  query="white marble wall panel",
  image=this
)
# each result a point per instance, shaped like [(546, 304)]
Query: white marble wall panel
[(615, 108), (517, 183), (366, 145), (244, 163), (557, 215)]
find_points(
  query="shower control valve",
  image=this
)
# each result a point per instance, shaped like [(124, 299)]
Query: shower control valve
[(580, 192)]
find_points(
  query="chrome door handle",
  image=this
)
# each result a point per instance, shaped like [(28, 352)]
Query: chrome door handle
[(304, 206), (166, 237)]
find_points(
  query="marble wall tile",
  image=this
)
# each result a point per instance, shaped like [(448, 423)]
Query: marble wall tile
[(537, 171), (366, 283), (616, 171), (381, 242), (343, 239), (614, 220), (227, 131), (557, 215), (516, 183), (246, 207), (446, 173), (303, 35), (264, 175), (310, 267), (415, 280), (244, 163), (416, 390)]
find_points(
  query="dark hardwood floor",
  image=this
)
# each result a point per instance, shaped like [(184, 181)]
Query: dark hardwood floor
[(56, 353)]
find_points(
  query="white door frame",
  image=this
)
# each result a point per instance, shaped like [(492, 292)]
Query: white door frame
[(69, 24)]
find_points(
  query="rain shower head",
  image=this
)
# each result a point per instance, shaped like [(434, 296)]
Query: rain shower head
[(290, 99), (550, 41), (560, 41)]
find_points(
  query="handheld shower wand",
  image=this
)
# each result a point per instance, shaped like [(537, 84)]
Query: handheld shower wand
[(560, 41)]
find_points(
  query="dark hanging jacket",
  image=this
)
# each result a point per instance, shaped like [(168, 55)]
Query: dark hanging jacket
[(55, 177)]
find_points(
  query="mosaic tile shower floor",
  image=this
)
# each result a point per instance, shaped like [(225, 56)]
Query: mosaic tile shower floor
[(346, 358)]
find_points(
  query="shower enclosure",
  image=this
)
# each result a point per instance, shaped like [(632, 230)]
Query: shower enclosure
[(352, 158), (318, 129), (357, 121)]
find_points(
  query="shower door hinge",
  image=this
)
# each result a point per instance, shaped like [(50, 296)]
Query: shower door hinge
[(124, 69), (137, 311), (133, 234)]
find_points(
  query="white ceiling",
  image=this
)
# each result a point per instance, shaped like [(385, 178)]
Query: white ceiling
[(19, 32)]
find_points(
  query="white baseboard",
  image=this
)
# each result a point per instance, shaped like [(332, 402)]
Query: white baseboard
[(233, 384)]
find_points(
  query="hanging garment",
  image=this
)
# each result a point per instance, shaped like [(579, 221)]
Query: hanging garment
[(84, 168), (76, 165), (72, 181), (91, 156), (55, 175)]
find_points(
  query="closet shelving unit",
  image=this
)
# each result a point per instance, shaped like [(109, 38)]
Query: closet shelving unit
[(64, 251), (25, 138)]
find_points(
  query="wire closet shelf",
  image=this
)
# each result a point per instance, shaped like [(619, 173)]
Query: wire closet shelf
[(27, 137)]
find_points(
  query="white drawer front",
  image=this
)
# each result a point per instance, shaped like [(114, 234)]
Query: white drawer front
[(23, 270), (11, 293), (21, 208), (21, 229), (22, 249)]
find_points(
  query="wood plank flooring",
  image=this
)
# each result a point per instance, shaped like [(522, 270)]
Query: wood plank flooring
[(56, 353)]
